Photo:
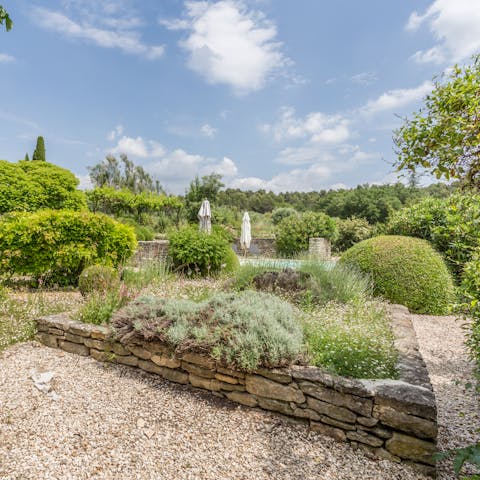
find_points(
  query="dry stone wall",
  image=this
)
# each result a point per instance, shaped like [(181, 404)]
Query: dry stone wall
[(150, 250), (391, 419)]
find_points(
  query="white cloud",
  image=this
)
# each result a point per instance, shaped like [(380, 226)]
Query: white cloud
[(138, 147), (454, 25), (85, 182), (396, 99), (364, 78), (6, 58), (319, 127), (115, 133), (208, 131), (126, 40), (177, 168), (229, 44)]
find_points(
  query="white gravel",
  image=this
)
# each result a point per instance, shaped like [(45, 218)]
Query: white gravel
[(441, 341), (112, 422)]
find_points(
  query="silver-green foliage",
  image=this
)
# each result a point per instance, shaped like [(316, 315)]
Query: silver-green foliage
[(243, 330), (353, 339)]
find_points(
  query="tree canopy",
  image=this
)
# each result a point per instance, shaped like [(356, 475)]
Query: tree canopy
[(443, 138), (5, 18), (123, 174)]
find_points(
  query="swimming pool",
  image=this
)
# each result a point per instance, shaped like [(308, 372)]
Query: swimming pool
[(281, 262)]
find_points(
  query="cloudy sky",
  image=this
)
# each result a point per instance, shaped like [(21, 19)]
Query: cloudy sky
[(276, 94)]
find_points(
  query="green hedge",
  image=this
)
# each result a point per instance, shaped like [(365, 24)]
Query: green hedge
[(198, 253), (452, 225), (293, 232), (56, 245), (405, 270), (35, 185)]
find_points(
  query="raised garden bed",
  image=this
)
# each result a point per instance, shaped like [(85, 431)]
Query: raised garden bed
[(393, 419)]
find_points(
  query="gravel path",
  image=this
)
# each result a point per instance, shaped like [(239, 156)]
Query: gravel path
[(441, 344), (112, 422)]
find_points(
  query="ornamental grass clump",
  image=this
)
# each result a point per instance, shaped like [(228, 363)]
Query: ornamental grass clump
[(243, 330), (353, 339)]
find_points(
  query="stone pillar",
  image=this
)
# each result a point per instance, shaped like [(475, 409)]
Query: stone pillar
[(319, 248)]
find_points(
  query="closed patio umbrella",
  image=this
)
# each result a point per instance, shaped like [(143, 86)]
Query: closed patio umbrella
[(205, 217), (246, 233)]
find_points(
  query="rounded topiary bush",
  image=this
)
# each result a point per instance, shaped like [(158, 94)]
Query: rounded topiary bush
[(405, 270), (56, 245), (231, 262), (97, 279)]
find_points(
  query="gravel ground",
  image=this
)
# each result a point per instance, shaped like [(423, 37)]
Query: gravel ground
[(112, 422), (441, 344)]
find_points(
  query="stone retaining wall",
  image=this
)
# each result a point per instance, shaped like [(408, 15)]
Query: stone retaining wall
[(259, 247), (150, 250), (391, 419)]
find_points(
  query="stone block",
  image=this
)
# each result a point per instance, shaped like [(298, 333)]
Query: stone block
[(205, 383), (74, 348), (333, 411), (139, 352), (81, 329), (70, 337), (336, 433), (226, 378), (100, 332), (100, 355), (275, 374), (55, 331), (404, 397), (411, 448), (173, 375), (97, 344), (243, 398), (361, 436), (164, 361), (379, 452), (119, 349), (230, 372), (367, 421), (311, 374), (337, 423), (264, 387), (275, 405), (420, 427), (46, 339), (60, 321), (360, 405), (197, 370), (129, 360), (378, 431), (306, 413), (198, 359), (229, 387), (352, 386)]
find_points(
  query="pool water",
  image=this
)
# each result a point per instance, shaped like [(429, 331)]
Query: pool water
[(280, 262)]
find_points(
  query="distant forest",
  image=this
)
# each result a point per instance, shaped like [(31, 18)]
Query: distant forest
[(372, 202)]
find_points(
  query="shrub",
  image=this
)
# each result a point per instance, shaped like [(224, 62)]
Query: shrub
[(470, 289), (100, 307), (351, 231), (293, 232), (451, 225), (283, 212), (231, 262), (354, 340), (244, 330), (319, 284), (149, 273), (196, 252), (97, 278), (31, 186), (57, 245), (405, 270)]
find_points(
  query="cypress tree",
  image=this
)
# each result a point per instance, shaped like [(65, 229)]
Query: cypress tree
[(27, 158), (39, 153)]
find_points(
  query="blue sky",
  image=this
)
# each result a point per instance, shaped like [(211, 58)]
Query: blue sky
[(276, 94)]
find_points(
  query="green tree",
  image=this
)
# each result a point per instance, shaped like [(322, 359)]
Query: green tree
[(4, 17), (444, 137), (123, 174), (27, 158), (208, 187), (39, 153)]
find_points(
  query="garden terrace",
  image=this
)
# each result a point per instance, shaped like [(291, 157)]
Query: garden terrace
[(392, 419)]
